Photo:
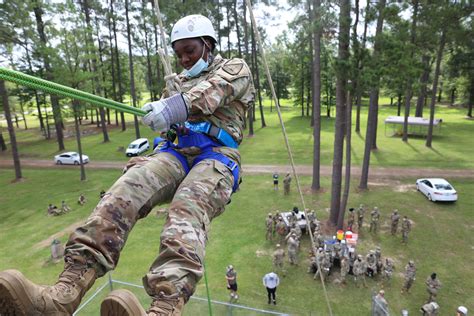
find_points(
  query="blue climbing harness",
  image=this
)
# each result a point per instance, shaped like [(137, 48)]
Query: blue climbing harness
[(198, 135)]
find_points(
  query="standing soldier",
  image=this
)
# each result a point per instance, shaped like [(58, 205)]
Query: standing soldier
[(374, 219), (360, 216), (275, 180), (293, 246), (281, 229), (380, 307), (395, 218), (64, 207), (359, 269), (275, 222), (278, 256), (269, 225), (378, 256), (286, 184), (388, 269), (406, 227), (432, 287), (344, 269), (351, 219), (410, 274)]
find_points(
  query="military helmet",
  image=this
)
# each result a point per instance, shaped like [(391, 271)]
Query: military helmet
[(395, 211), (411, 262), (278, 245), (376, 208), (192, 26), (269, 214), (230, 267), (359, 257), (371, 252)]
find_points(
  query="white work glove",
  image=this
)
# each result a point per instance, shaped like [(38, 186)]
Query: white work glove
[(165, 112)]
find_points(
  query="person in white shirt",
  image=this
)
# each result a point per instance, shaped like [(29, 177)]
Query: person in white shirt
[(271, 282)]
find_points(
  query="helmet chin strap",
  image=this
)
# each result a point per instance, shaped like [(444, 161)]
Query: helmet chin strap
[(210, 56)]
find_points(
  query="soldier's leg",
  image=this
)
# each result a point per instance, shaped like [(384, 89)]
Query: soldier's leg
[(147, 182), (94, 248), (201, 197)]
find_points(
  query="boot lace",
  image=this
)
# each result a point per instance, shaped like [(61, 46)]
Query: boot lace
[(73, 271), (163, 305)]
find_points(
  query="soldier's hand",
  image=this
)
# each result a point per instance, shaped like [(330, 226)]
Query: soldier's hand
[(163, 113)]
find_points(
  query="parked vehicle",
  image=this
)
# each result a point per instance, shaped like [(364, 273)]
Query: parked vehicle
[(436, 189), (137, 147), (70, 158)]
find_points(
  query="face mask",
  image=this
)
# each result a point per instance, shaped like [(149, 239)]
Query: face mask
[(198, 67)]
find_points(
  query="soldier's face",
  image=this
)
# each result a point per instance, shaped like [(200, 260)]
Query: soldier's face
[(189, 51)]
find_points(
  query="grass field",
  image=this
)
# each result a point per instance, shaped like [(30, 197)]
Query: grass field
[(441, 241), (452, 147)]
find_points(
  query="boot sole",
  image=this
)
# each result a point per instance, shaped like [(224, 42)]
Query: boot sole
[(13, 297), (121, 303)]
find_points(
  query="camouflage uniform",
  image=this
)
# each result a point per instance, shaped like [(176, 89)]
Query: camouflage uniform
[(344, 269), (360, 216), (351, 219), (293, 246), (278, 256), (221, 96), (410, 274), (432, 287), (406, 227), (388, 269), (359, 269), (394, 219), (64, 207), (371, 264), (374, 220), (269, 225), (281, 230), (81, 200), (53, 210), (286, 184)]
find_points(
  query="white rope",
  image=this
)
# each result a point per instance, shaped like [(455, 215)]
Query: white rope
[(290, 155)]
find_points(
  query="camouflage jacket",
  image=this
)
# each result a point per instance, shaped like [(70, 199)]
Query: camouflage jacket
[(410, 272), (221, 95)]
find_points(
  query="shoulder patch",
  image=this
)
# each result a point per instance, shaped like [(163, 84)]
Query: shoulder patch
[(233, 67)]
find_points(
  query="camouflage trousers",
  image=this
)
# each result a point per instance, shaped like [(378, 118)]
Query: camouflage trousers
[(196, 198)]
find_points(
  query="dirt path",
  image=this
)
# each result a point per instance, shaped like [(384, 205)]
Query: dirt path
[(307, 170), (68, 230)]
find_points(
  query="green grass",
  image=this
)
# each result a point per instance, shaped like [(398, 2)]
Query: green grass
[(452, 147), (441, 241)]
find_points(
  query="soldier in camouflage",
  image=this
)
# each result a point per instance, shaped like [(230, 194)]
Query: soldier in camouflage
[(374, 219), (394, 219), (360, 216), (269, 225), (198, 176), (287, 184), (293, 246), (388, 269), (359, 269), (278, 256), (344, 269), (433, 284), (406, 227), (410, 275)]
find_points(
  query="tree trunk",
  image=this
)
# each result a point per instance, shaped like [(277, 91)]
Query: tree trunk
[(316, 183), (158, 71), (423, 82), (227, 10), (93, 64), (347, 175), (246, 37), (147, 50), (30, 67), (471, 98), (399, 104), (3, 145), (132, 76), (302, 87), (49, 75), (11, 131), (374, 99), (75, 107), (439, 56), (237, 28), (409, 91), (342, 75), (257, 82), (440, 93), (360, 62), (119, 72), (453, 96)]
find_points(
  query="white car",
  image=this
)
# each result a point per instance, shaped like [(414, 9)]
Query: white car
[(437, 189), (137, 147), (70, 158)]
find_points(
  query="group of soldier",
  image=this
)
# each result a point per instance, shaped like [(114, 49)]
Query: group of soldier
[(359, 215), (53, 210), (332, 255)]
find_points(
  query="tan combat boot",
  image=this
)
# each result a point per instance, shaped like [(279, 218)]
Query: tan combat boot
[(20, 296), (124, 303)]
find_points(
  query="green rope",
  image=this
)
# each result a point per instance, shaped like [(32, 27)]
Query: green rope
[(55, 88), (207, 289)]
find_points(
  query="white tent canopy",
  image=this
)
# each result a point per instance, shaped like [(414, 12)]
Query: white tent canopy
[(411, 120)]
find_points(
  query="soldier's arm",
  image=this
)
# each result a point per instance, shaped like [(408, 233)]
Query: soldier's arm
[(233, 80)]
